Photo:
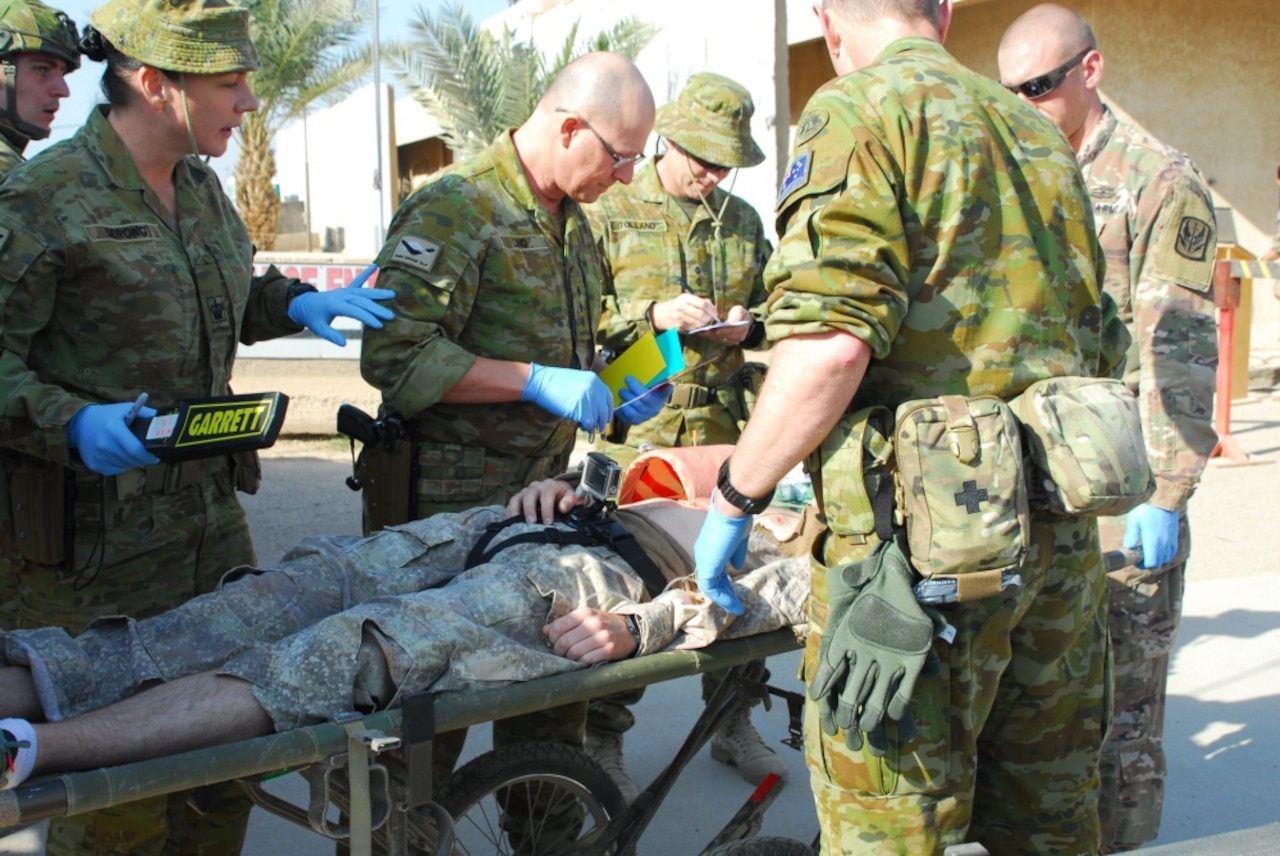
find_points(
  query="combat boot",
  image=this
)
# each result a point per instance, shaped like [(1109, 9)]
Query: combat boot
[(738, 744), (605, 748)]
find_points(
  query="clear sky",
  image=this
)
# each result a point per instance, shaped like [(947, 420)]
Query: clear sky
[(393, 19)]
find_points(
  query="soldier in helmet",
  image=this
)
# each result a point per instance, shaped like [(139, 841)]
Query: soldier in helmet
[(38, 48), (124, 269)]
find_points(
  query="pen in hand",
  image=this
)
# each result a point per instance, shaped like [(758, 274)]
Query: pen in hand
[(136, 409)]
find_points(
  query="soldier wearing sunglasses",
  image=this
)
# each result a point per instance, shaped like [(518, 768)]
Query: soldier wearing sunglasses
[(1154, 218)]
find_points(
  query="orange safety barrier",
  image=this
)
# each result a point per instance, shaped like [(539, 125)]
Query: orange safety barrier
[(1226, 296)]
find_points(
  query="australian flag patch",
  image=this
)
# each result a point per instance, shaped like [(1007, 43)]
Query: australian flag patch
[(797, 175)]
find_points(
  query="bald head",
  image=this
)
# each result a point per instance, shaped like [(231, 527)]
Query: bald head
[(1052, 25), (1049, 57), (604, 86)]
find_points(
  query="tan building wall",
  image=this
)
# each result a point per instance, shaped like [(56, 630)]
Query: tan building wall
[(1203, 77)]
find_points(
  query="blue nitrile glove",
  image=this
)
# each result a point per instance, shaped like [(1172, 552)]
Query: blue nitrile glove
[(1156, 531), (570, 394), (723, 540), (639, 403), (876, 643), (315, 310), (105, 443)]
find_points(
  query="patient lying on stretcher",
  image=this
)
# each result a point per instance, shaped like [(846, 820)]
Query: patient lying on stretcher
[(346, 623)]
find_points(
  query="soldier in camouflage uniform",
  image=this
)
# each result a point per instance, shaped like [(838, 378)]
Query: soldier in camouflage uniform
[(346, 623), (38, 48), (932, 221), (1154, 217), (124, 269), (499, 286), (682, 254)]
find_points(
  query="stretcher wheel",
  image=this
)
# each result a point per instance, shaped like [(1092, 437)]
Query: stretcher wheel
[(763, 847), (529, 798)]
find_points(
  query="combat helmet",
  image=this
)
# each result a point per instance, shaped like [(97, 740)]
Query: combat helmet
[(30, 26)]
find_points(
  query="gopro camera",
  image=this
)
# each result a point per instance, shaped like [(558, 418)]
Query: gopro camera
[(601, 477)]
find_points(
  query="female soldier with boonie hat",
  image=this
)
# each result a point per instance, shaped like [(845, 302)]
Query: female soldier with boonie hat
[(125, 270), (684, 254)]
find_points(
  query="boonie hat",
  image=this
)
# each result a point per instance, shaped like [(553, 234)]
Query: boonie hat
[(711, 120), (29, 25), (189, 36)]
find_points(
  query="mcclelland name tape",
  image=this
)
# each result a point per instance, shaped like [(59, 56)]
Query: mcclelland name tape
[(219, 425)]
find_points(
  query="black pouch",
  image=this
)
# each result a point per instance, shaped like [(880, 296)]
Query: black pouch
[(38, 496)]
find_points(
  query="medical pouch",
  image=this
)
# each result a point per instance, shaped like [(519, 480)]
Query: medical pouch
[(1084, 439), (960, 490), (850, 472)]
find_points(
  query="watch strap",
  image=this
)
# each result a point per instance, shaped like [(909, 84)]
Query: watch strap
[(742, 502)]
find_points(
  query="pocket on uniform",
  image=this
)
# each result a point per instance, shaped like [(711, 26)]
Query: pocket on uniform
[(451, 473)]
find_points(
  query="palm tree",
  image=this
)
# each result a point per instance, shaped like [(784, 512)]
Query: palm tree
[(477, 85), (309, 52)]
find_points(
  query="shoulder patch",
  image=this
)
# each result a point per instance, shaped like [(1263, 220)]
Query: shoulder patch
[(4, 237), (1193, 239), (417, 253), (122, 233), (811, 123), (797, 175)]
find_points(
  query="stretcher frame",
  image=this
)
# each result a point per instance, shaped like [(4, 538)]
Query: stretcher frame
[(354, 741)]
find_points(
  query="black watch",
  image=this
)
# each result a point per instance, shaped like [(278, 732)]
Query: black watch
[(740, 501)]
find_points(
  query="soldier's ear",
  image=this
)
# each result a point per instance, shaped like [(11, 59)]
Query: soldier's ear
[(1092, 67)]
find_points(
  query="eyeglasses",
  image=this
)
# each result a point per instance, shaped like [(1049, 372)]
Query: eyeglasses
[(619, 162), (709, 167), (1039, 87)]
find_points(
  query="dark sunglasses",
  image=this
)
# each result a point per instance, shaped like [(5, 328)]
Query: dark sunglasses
[(709, 167), (1039, 87)]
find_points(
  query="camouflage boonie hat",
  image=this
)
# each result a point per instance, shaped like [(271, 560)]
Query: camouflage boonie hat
[(189, 36), (31, 26), (711, 120)]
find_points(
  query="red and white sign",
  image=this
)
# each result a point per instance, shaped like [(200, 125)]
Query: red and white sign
[(323, 276)]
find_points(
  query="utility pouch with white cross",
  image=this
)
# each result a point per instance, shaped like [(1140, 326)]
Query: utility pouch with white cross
[(960, 490)]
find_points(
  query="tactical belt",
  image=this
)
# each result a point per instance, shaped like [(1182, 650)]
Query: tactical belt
[(692, 395), (588, 532)]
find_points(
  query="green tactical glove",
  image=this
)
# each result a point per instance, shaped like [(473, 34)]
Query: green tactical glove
[(876, 643)]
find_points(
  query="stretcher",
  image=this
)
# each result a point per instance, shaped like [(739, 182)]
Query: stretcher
[(375, 770)]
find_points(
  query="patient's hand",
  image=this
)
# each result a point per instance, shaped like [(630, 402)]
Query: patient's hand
[(589, 636), (543, 500)]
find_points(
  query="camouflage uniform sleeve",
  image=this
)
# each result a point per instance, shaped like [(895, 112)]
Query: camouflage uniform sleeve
[(842, 261), (267, 313), (430, 260), (1176, 338), (33, 414)]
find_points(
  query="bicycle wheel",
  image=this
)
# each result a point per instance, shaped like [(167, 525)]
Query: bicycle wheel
[(763, 847), (532, 799)]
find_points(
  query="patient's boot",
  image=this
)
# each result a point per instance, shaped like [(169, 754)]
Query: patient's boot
[(738, 744), (17, 752), (605, 748)]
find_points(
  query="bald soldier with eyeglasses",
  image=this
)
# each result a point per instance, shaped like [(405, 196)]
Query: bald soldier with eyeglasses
[(1154, 219)]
